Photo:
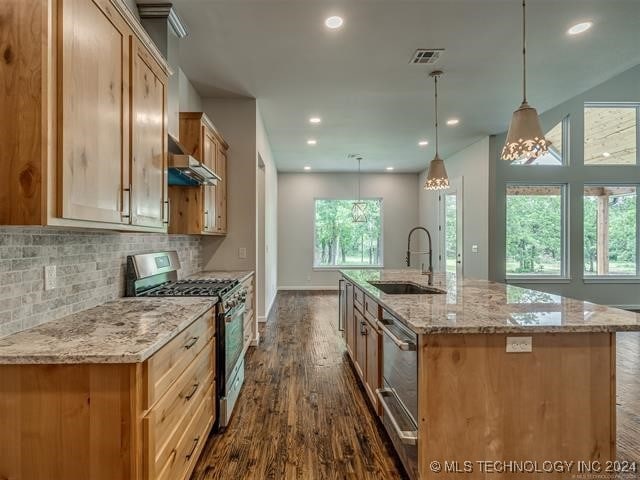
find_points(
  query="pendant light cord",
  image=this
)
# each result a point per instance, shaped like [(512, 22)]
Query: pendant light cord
[(359, 160), (524, 51), (435, 79)]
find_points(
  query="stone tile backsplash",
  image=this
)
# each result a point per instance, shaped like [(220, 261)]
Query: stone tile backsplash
[(90, 270)]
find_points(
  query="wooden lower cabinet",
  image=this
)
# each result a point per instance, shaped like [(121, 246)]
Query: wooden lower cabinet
[(364, 341), (250, 332), (111, 421)]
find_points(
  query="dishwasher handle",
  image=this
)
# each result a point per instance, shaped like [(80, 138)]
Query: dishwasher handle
[(403, 345), (407, 437)]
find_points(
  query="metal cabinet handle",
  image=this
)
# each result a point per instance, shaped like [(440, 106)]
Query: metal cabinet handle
[(193, 447), (193, 391), (409, 437), (206, 219), (168, 204), (363, 328), (128, 190), (191, 343), (401, 344)]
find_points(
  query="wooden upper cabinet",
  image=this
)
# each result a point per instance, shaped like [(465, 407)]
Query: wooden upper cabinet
[(93, 131), (85, 126), (221, 190), (201, 209), (148, 189)]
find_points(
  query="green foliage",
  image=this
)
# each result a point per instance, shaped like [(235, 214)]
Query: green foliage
[(341, 241), (534, 230)]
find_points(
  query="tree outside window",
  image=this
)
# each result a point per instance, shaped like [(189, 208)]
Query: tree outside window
[(339, 241)]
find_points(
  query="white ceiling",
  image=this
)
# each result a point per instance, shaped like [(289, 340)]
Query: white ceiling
[(359, 80)]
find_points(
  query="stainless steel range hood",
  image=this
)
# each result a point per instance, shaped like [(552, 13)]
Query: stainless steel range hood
[(187, 171)]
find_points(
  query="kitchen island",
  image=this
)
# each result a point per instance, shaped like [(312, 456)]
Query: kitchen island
[(505, 378)]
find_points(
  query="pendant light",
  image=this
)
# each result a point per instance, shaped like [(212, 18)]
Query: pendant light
[(437, 178), (359, 208), (525, 139)]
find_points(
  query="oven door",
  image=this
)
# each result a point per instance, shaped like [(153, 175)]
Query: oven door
[(233, 339)]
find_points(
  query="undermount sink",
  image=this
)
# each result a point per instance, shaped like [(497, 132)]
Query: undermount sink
[(405, 288)]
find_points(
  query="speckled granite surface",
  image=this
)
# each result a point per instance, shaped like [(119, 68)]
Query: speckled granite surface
[(480, 306), (127, 330), (240, 275)]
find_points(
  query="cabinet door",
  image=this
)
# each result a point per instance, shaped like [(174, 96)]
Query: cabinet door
[(361, 344), (373, 363), (350, 330), (221, 190), (209, 152), (93, 111), (149, 205)]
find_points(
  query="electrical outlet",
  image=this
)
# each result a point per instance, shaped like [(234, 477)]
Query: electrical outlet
[(519, 344), (242, 252), (49, 277)]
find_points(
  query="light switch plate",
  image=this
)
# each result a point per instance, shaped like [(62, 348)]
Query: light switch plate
[(519, 344), (50, 277), (474, 248), (242, 252)]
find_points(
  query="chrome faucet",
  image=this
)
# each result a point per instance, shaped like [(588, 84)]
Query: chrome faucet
[(428, 252)]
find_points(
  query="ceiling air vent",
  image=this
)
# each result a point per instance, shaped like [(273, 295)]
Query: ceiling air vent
[(426, 56)]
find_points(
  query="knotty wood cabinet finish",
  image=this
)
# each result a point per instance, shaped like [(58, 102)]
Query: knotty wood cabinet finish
[(250, 325), (477, 402), (364, 341), (73, 121), (201, 210), (138, 421)]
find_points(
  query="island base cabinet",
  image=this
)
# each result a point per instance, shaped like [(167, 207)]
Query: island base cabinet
[(69, 422), (479, 403)]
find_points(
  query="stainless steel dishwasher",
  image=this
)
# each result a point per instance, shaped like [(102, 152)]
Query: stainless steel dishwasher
[(399, 395)]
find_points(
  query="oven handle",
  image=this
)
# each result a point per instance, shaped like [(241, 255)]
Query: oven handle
[(406, 437), (231, 314), (401, 344)]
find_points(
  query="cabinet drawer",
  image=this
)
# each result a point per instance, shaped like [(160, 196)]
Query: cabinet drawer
[(183, 455), (358, 299), (370, 309), (171, 414), (166, 365)]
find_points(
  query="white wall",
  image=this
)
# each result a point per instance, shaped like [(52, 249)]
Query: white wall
[(296, 195), (267, 214), (472, 165), (236, 120), (189, 99)]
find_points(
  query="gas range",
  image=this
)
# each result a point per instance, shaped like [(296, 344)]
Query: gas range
[(156, 275), (214, 287)]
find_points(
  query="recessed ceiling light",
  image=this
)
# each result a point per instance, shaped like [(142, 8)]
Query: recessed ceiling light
[(307, 167), (606, 154), (453, 121), (311, 141), (580, 28), (423, 143), (334, 22), (389, 168), (315, 120)]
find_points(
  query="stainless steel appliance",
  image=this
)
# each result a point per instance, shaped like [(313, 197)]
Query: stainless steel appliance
[(185, 170), (156, 275), (399, 395)]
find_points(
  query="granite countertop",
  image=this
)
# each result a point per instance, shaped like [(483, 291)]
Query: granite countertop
[(231, 275), (481, 306), (128, 330)]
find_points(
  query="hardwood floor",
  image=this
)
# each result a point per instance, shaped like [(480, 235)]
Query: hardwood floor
[(628, 395), (301, 413)]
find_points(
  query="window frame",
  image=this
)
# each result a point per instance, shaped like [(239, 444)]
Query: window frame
[(636, 107), (565, 245), (615, 278), (325, 268), (565, 124)]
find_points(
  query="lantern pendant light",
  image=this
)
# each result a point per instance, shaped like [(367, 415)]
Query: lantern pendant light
[(437, 178), (359, 208), (525, 139)]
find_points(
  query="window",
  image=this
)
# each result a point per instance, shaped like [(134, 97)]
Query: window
[(555, 155), (339, 241), (610, 231), (610, 134), (535, 230)]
